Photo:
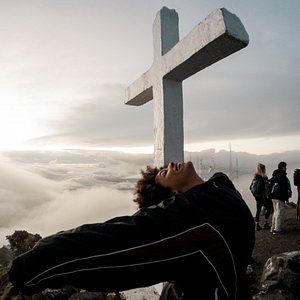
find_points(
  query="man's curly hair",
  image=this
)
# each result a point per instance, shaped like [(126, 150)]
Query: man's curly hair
[(148, 192)]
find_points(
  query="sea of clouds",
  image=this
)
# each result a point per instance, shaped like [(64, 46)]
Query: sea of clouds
[(46, 192)]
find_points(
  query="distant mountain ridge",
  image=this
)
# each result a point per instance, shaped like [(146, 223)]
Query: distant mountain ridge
[(245, 160)]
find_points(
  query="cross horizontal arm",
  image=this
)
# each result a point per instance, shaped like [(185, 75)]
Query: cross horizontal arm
[(218, 36), (135, 96)]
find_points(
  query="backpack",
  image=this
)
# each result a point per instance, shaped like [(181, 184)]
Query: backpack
[(279, 188), (257, 186), (297, 177)]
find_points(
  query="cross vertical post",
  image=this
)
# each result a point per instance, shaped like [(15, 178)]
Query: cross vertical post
[(168, 106)]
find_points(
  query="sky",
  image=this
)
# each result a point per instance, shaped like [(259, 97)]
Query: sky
[(65, 66)]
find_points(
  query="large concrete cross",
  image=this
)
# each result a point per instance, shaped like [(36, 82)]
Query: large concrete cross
[(218, 36)]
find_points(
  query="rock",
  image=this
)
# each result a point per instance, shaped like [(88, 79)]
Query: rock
[(147, 293), (85, 295), (281, 277), (275, 295), (5, 256)]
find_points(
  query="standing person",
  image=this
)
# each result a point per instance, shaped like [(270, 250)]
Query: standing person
[(259, 189), (280, 189), (195, 233)]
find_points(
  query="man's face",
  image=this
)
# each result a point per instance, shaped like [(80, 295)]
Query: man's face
[(177, 176)]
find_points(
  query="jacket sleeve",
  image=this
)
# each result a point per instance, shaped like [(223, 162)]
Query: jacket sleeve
[(64, 258)]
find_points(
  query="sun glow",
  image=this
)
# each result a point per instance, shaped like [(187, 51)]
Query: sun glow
[(21, 121), (15, 132)]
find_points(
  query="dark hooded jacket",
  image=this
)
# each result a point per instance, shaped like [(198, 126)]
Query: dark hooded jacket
[(280, 185), (200, 239)]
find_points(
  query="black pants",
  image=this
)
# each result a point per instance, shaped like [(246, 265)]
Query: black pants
[(259, 204), (269, 206)]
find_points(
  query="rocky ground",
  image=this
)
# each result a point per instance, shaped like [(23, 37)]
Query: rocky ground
[(267, 245)]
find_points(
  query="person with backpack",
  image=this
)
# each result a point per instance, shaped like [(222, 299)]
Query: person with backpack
[(259, 189), (280, 192)]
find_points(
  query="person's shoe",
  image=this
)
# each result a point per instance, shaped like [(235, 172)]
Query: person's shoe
[(267, 226), (276, 232), (257, 227)]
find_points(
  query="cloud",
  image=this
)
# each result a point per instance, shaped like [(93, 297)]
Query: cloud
[(64, 210), (20, 190), (103, 120), (234, 105), (70, 209), (48, 192)]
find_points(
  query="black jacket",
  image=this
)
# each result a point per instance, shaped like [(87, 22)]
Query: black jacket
[(202, 238), (280, 185)]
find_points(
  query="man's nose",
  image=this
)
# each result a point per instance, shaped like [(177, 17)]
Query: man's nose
[(171, 164)]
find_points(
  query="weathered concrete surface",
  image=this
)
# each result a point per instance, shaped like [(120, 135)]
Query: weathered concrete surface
[(215, 38)]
